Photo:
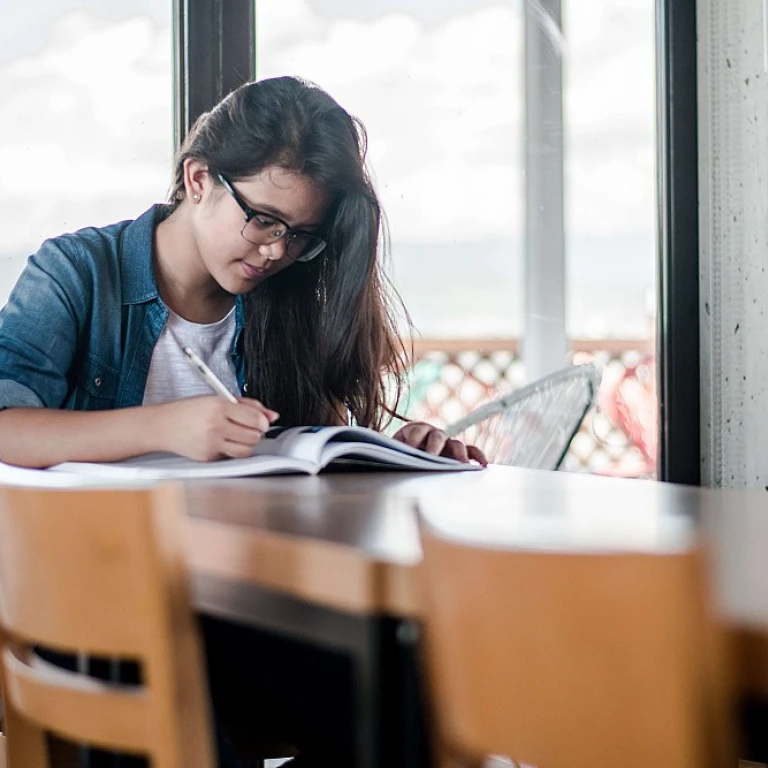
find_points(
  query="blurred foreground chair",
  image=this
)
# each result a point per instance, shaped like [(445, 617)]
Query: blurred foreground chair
[(3, 761), (572, 659), (534, 425), (3, 747), (101, 573)]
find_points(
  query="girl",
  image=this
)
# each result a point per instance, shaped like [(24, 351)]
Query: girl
[(266, 262)]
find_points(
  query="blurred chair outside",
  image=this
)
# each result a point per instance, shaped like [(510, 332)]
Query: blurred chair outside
[(449, 378), (533, 426), (100, 573), (629, 400)]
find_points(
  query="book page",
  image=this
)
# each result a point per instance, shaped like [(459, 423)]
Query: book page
[(165, 466), (321, 445), (292, 450), (43, 478)]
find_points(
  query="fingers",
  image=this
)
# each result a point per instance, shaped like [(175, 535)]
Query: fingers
[(234, 450), (435, 441), (247, 421), (477, 455), (237, 433), (455, 449), (432, 440), (251, 414), (270, 414), (415, 434), (235, 428)]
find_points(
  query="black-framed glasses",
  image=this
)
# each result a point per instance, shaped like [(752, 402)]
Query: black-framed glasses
[(264, 228)]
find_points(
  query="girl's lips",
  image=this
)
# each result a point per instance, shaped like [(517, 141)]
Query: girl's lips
[(253, 273)]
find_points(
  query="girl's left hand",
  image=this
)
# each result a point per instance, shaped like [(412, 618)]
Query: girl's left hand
[(419, 434)]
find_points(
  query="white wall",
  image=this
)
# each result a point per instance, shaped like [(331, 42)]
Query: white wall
[(733, 184)]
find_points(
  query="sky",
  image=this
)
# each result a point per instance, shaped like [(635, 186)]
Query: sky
[(85, 94)]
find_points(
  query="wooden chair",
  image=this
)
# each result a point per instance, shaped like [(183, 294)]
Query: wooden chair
[(100, 572), (3, 747), (751, 676), (3, 761), (573, 659)]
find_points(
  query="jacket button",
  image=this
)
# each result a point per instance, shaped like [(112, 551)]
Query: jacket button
[(97, 381)]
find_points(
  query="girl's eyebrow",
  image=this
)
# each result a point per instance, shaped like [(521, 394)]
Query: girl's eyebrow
[(277, 213)]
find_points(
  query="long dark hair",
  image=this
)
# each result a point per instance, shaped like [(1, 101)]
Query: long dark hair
[(320, 337)]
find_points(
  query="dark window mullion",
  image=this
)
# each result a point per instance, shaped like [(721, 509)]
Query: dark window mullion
[(678, 300), (214, 52)]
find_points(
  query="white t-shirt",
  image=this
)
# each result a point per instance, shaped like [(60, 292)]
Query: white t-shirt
[(171, 377)]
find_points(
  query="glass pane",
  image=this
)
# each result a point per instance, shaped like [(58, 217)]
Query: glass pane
[(609, 92), (610, 168), (87, 132), (438, 85)]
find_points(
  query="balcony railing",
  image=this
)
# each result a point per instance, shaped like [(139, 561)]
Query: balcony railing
[(451, 377)]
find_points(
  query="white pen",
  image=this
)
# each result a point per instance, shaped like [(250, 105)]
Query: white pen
[(209, 376)]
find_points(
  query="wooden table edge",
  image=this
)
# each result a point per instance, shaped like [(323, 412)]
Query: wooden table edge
[(321, 572)]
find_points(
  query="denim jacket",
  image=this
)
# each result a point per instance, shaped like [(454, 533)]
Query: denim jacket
[(81, 322)]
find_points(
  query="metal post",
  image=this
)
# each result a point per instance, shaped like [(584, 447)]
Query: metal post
[(214, 52), (678, 194), (544, 340)]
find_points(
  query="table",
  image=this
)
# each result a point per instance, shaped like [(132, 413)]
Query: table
[(333, 560)]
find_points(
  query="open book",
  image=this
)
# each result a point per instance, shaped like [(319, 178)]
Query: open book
[(281, 450)]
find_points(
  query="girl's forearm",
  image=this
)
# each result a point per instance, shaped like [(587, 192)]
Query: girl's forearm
[(40, 437)]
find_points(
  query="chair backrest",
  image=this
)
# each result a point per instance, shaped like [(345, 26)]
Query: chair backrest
[(534, 425), (100, 573), (572, 660)]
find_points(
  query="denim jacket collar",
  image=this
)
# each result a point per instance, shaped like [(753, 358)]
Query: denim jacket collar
[(237, 344), (97, 287), (136, 256), (138, 274)]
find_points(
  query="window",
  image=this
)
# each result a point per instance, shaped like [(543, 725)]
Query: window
[(86, 136), (441, 89)]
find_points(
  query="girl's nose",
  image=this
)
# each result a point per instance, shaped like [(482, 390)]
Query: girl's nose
[(274, 251)]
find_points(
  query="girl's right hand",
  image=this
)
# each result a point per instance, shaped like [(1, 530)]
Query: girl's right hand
[(210, 427)]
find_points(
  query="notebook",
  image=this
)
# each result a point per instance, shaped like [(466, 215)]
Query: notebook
[(306, 450)]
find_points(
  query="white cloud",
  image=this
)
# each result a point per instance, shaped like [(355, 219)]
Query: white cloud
[(443, 105), (86, 130)]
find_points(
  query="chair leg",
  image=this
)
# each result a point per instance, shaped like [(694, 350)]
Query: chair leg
[(454, 761), (26, 746)]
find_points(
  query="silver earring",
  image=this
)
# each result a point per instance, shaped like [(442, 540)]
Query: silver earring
[(195, 197)]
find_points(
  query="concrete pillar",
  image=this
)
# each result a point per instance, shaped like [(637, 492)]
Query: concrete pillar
[(733, 189)]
